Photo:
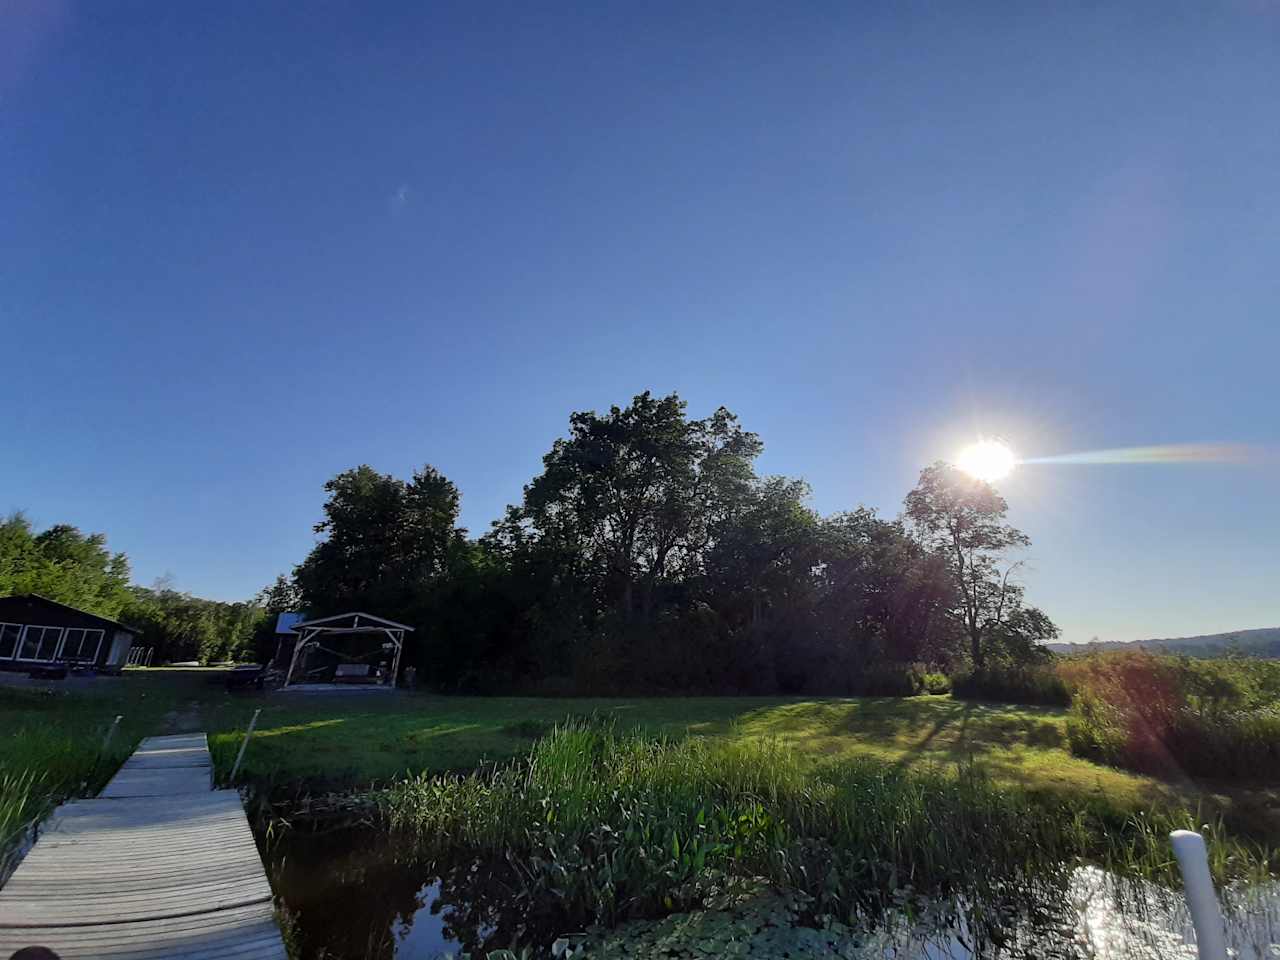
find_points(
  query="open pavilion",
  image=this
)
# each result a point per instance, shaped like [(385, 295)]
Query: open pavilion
[(344, 651)]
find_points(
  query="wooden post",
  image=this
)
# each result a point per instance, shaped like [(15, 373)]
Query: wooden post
[(244, 743), (395, 666), (111, 732), (293, 658)]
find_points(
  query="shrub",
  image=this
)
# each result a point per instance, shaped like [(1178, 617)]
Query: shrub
[(1032, 683), (936, 683), (1169, 716), (888, 680)]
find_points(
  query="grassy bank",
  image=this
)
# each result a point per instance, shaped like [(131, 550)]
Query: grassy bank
[(609, 826), (55, 746), (350, 741), (316, 743)]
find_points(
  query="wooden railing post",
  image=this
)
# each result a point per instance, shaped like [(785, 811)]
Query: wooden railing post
[(111, 732), (240, 756)]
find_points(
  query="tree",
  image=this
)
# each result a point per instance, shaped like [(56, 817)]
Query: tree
[(962, 520), (639, 493), (1021, 638), (282, 596), (384, 541), (181, 627), (62, 564)]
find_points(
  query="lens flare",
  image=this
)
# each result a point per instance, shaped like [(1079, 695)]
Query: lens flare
[(988, 460), (1166, 453)]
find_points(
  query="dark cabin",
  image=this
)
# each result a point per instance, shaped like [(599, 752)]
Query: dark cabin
[(36, 632)]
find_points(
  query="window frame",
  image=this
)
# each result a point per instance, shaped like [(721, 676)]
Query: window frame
[(57, 646), (17, 640), (84, 637)]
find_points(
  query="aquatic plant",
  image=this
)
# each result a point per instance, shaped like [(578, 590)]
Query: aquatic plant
[(601, 826)]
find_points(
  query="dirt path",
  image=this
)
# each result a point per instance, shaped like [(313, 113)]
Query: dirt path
[(184, 720)]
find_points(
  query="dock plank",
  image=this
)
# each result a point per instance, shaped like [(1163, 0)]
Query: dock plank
[(159, 865), (243, 932)]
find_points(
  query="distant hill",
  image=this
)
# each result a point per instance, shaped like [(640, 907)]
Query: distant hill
[(1264, 643)]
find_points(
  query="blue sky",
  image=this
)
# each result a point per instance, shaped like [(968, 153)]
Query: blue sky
[(245, 246)]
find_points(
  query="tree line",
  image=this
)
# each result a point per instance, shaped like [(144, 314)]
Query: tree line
[(648, 556), (78, 569)]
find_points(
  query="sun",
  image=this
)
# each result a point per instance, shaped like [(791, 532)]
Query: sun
[(988, 460)]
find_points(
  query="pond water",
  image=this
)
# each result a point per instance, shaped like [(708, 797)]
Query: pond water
[(356, 893)]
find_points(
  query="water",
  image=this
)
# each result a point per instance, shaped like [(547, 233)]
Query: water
[(356, 893)]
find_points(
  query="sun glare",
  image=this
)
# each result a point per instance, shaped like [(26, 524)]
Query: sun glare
[(987, 460)]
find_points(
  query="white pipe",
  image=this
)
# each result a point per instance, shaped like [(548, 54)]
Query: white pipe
[(1206, 914)]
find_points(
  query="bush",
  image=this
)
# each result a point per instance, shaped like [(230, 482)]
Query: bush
[(936, 683), (1033, 684), (888, 680), (1171, 716)]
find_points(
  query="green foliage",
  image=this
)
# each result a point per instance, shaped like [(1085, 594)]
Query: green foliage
[(62, 564), (1035, 683), (608, 827), (743, 919), (1175, 716), (889, 680), (281, 597), (50, 750), (647, 556), (77, 569), (184, 628), (962, 521), (936, 683), (385, 541)]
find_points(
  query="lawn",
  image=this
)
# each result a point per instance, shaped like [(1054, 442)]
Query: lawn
[(307, 742)]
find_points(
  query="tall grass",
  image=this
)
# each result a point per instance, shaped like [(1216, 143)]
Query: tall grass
[(45, 759), (602, 826), (1174, 716), (1038, 683)]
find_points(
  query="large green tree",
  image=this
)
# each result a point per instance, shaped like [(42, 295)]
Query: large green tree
[(963, 521), (63, 564), (639, 491), (384, 541)]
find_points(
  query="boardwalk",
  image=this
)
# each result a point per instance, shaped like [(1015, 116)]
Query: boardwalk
[(158, 866)]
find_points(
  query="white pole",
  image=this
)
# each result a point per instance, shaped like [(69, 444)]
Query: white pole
[(1206, 914), (244, 743)]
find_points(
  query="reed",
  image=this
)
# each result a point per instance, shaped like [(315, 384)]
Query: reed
[(603, 825)]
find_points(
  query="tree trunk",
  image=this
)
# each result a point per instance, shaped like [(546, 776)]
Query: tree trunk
[(975, 647)]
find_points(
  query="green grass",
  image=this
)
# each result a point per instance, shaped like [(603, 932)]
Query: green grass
[(52, 748), (316, 743), (608, 825)]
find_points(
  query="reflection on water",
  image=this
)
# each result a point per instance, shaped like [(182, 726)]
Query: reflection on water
[(355, 893)]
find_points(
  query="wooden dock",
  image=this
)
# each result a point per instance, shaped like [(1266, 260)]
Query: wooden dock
[(158, 866)]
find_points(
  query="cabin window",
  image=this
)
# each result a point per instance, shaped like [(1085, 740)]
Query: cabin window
[(40, 643), (81, 644), (9, 633)]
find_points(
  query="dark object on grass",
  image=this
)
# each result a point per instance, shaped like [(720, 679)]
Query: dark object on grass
[(245, 678), (57, 671), (356, 673)]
